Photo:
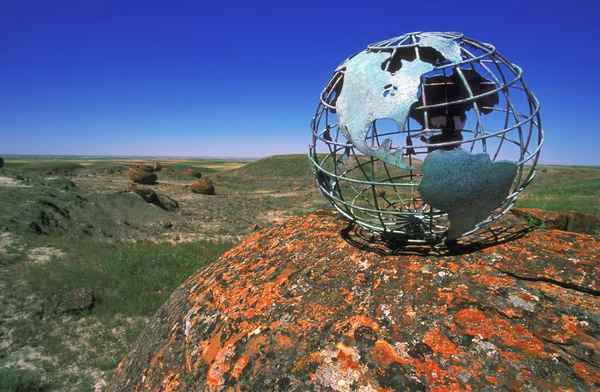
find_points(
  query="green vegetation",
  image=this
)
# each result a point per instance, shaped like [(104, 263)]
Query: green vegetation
[(128, 279), (193, 165), (564, 188), (13, 379), (54, 164), (130, 282)]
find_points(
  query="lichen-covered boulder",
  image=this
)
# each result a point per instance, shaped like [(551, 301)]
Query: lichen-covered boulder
[(203, 187), (141, 176), (299, 307)]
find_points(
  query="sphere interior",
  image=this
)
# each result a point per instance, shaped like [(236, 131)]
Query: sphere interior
[(425, 137)]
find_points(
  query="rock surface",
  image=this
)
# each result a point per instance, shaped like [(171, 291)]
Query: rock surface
[(141, 176), (577, 222), (203, 187), (297, 307)]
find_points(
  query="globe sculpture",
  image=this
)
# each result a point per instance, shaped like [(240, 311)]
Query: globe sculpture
[(425, 137)]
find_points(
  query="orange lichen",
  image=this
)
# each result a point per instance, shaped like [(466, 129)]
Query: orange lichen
[(589, 377), (220, 366), (384, 353), (477, 324), (440, 344), (239, 366)]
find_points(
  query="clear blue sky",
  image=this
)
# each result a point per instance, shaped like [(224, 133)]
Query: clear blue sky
[(198, 78)]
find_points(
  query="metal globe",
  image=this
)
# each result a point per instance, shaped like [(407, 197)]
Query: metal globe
[(425, 137)]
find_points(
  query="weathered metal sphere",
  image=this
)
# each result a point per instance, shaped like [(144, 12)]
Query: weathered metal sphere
[(425, 137)]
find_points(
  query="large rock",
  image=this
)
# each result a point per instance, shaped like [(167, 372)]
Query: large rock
[(141, 176), (203, 187), (296, 307)]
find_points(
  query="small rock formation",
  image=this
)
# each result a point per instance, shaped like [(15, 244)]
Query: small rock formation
[(144, 167), (168, 203), (203, 187), (194, 173), (163, 201), (55, 171), (75, 300), (297, 307), (1, 162), (156, 166), (141, 176), (166, 224)]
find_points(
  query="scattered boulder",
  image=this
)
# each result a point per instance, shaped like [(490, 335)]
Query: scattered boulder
[(1, 162), (74, 300), (166, 224), (141, 176), (147, 194), (157, 166), (55, 171), (168, 203), (163, 201), (194, 173), (203, 187), (144, 167)]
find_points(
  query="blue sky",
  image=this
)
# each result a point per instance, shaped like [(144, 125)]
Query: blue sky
[(193, 78)]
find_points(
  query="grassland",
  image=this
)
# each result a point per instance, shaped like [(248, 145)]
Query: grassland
[(73, 227)]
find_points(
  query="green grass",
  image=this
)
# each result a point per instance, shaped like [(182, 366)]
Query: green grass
[(53, 164), (13, 379), (127, 279), (193, 165), (564, 188)]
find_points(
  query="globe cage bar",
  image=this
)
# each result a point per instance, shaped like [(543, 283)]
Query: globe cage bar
[(383, 198)]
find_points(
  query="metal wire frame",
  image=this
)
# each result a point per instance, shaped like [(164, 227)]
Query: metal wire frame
[(350, 181)]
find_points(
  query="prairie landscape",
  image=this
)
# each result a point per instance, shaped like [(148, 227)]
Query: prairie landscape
[(85, 260)]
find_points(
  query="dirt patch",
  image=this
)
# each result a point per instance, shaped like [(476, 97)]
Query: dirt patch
[(42, 255), (11, 182)]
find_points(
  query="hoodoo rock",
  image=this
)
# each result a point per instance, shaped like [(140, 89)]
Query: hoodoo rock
[(141, 176), (194, 173), (203, 187), (313, 305)]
